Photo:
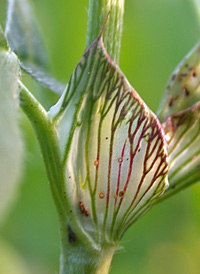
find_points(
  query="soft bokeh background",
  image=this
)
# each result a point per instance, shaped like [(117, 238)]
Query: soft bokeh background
[(157, 34)]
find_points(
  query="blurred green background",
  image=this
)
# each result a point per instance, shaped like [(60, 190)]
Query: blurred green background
[(157, 35)]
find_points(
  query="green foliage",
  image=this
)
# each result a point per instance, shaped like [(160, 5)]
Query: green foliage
[(10, 139), (25, 39), (23, 34), (147, 66)]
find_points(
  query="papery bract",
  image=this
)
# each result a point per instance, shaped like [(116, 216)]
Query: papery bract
[(183, 87), (113, 147), (183, 137), (179, 112)]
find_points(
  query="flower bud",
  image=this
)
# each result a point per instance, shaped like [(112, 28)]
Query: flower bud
[(183, 88), (183, 138), (113, 147), (180, 112)]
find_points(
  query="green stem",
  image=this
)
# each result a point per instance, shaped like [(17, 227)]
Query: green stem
[(79, 252), (98, 11), (48, 141), (49, 144), (79, 258)]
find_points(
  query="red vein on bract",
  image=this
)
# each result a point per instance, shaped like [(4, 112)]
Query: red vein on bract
[(162, 160), (113, 129), (145, 172), (133, 153), (119, 173), (104, 25)]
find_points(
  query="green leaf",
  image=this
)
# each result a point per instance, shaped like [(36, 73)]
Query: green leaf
[(113, 147), (23, 33), (10, 141), (182, 131), (183, 87), (45, 79), (25, 39)]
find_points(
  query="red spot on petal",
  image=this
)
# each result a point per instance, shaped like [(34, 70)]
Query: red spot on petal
[(121, 193), (120, 159), (101, 195)]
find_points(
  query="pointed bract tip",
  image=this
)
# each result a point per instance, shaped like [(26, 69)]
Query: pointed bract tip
[(104, 25)]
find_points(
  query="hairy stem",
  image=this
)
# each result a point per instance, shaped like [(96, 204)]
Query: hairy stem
[(98, 10), (49, 144), (79, 258), (79, 252), (47, 136), (47, 139)]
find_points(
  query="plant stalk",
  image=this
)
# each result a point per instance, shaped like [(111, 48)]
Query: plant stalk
[(47, 139), (79, 258), (98, 11), (79, 253)]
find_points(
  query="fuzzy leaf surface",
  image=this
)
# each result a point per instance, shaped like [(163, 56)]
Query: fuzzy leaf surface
[(10, 141)]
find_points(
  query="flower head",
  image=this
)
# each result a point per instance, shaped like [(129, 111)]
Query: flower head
[(180, 114), (113, 146)]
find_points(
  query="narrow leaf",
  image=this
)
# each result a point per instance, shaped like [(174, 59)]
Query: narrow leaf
[(23, 33), (10, 141), (44, 78), (25, 39), (112, 144), (183, 87)]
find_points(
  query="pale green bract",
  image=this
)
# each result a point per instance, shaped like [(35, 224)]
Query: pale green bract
[(183, 137), (183, 87), (179, 111), (113, 147)]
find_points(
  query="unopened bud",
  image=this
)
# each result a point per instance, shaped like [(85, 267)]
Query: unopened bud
[(113, 146), (183, 89)]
